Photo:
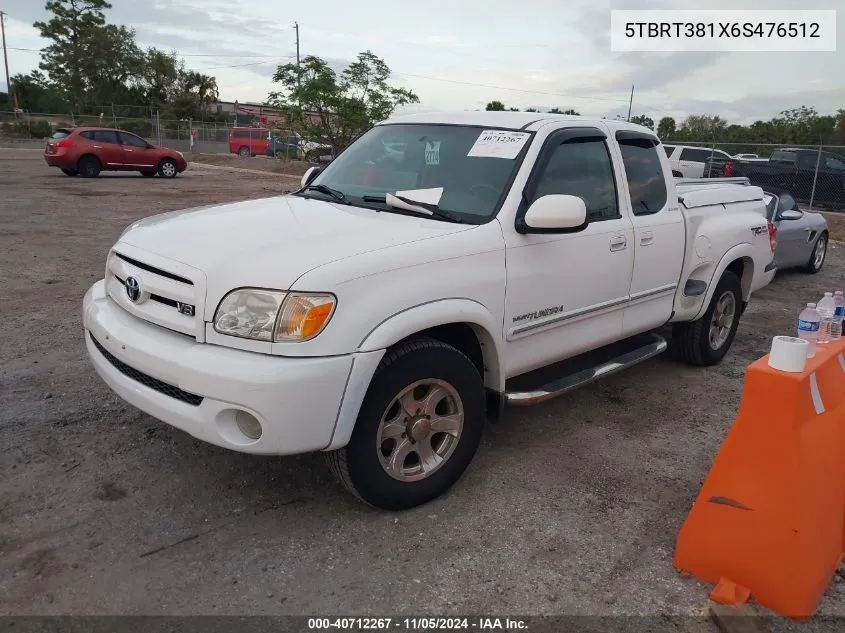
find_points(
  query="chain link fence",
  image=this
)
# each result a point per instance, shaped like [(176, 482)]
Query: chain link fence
[(812, 174), (212, 137)]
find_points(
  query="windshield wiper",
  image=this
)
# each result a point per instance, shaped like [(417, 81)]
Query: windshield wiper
[(334, 193), (422, 208)]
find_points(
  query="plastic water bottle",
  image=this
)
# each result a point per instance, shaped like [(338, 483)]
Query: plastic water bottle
[(826, 308), (838, 316), (808, 327)]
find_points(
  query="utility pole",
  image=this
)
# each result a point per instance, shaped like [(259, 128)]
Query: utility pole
[(296, 26), (631, 102), (12, 99)]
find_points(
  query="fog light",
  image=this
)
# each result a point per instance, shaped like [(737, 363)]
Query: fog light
[(248, 425)]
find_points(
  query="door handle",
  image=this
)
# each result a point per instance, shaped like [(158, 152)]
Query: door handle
[(647, 238), (618, 242)]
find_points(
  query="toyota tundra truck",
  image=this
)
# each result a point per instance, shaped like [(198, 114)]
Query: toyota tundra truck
[(442, 267)]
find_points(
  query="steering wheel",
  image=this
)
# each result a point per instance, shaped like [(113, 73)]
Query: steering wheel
[(482, 187)]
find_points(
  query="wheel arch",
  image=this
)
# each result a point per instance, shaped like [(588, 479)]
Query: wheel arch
[(88, 155), (462, 323), (740, 261)]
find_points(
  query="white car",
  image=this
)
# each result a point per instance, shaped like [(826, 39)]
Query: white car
[(687, 161), (384, 311)]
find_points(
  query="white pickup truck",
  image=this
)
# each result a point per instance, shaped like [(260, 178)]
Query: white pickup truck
[(440, 267)]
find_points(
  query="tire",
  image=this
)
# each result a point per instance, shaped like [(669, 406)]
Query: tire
[(244, 151), (818, 256), (70, 172), (362, 465), (148, 174), (167, 168), (89, 167), (691, 342)]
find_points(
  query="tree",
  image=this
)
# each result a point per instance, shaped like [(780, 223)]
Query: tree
[(36, 94), (190, 95), (335, 107), (701, 127), (643, 120), (666, 128), (531, 110), (495, 106), (73, 30)]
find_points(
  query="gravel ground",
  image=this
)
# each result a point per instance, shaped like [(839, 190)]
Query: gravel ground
[(571, 507)]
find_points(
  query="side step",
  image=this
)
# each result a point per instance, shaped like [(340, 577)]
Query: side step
[(552, 381)]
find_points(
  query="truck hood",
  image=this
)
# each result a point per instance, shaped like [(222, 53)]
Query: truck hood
[(269, 243)]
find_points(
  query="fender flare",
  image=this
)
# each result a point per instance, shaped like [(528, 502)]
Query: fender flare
[(402, 325), (740, 251), (443, 312)]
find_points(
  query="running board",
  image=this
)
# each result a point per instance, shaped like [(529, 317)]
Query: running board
[(605, 362)]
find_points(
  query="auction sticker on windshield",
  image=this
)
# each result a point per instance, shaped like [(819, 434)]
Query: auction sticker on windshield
[(498, 144)]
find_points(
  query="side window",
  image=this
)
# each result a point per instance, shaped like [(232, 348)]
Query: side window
[(786, 203), (131, 139), (105, 136), (582, 168), (782, 157), (88, 136), (644, 173), (694, 154), (834, 163), (241, 134), (720, 154), (806, 160)]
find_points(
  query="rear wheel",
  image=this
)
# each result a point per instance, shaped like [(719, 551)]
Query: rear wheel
[(418, 429), (167, 168), (244, 151), (89, 167), (70, 172), (707, 340), (818, 255)]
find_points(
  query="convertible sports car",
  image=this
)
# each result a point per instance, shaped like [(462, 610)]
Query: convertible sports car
[(802, 236)]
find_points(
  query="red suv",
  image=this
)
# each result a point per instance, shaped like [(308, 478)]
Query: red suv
[(86, 151)]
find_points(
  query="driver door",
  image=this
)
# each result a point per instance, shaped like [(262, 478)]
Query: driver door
[(137, 153), (793, 235), (567, 290)]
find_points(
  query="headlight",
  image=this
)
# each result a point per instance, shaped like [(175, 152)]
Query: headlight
[(271, 315)]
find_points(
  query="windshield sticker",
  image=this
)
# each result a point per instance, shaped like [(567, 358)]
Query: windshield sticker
[(498, 144), (432, 153)]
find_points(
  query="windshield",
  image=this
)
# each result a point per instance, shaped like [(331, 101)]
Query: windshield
[(464, 170)]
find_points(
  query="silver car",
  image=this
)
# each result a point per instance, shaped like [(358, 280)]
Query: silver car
[(802, 236)]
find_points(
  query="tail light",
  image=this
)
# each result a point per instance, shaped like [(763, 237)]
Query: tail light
[(65, 142), (773, 236), (729, 167)]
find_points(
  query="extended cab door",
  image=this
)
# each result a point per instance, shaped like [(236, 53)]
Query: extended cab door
[(567, 290), (659, 231)]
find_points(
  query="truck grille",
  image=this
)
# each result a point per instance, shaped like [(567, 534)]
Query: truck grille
[(155, 293), (146, 380)]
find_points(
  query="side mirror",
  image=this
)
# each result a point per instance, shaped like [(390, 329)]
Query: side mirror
[(310, 175), (557, 212), (791, 214)]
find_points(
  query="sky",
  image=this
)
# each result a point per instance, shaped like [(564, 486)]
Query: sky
[(461, 54)]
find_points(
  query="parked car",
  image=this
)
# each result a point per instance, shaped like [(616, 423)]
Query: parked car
[(793, 170), (688, 161), (249, 141), (86, 151), (802, 236), (441, 266)]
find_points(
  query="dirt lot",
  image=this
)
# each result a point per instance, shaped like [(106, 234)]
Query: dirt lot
[(570, 508)]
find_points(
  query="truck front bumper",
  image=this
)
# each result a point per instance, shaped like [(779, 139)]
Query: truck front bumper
[(209, 391)]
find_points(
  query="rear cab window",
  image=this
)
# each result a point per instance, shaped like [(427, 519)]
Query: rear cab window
[(60, 134), (645, 176)]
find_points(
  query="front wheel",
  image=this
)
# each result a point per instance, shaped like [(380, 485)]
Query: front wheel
[(167, 168), (706, 341), (418, 429), (818, 255)]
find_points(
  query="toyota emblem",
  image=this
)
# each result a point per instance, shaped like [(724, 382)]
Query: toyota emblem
[(133, 289)]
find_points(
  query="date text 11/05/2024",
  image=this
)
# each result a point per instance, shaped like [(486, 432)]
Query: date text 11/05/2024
[(417, 624), (722, 29)]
